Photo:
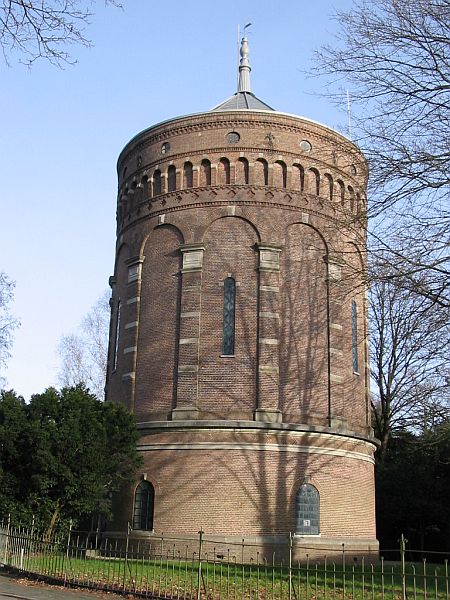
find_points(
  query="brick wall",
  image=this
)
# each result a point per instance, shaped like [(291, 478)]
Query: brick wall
[(289, 227)]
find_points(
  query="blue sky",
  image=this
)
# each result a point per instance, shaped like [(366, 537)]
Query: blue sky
[(62, 130)]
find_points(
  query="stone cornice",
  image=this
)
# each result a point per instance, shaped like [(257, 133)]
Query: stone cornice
[(253, 426), (209, 121)]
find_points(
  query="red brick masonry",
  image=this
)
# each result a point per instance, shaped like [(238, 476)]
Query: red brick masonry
[(228, 440)]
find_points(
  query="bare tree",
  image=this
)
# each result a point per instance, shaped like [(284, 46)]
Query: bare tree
[(35, 29), (84, 354), (410, 344), (394, 56), (7, 322)]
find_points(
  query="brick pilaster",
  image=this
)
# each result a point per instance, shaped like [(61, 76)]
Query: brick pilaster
[(130, 328), (268, 334), (188, 355), (335, 343)]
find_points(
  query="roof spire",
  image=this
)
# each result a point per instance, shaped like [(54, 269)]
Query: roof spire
[(244, 67), (243, 99)]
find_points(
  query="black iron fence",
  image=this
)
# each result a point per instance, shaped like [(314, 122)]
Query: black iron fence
[(161, 568)]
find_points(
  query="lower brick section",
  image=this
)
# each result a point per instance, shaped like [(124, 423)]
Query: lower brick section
[(263, 549), (241, 480)]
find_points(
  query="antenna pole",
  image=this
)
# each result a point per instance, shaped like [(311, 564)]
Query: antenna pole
[(349, 121), (238, 55)]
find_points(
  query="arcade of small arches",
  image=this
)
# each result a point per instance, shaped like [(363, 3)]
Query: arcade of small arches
[(307, 508), (276, 174)]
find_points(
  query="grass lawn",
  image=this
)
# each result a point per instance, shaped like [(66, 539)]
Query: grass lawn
[(176, 578)]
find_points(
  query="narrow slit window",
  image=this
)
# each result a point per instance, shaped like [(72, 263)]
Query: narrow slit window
[(116, 337), (229, 305), (355, 337)]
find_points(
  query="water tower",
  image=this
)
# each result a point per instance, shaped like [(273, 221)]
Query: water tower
[(238, 332)]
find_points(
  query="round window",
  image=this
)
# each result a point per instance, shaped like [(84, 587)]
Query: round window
[(165, 148), (233, 137), (305, 146)]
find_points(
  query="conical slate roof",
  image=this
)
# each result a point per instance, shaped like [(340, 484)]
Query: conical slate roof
[(243, 99)]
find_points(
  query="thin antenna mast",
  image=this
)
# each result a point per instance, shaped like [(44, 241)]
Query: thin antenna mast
[(238, 55), (349, 116)]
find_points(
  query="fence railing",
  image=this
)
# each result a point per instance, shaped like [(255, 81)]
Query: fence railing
[(161, 569)]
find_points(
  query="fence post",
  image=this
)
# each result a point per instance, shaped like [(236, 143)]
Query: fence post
[(402, 560), (125, 566), (66, 558), (8, 530), (343, 572), (290, 565), (200, 550)]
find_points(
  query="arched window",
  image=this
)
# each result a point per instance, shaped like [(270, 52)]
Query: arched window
[(313, 181), (124, 201), (229, 304), (144, 503), (205, 173), (355, 336), (351, 193), (362, 204), (188, 179), (171, 178), (298, 177), (279, 174), (144, 186), (328, 191), (261, 172), (133, 194), (340, 195), (358, 204), (242, 170), (157, 183), (307, 510), (224, 171)]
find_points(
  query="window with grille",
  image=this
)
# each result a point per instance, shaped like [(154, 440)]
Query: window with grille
[(144, 499), (354, 337), (307, 510), (229, 305)]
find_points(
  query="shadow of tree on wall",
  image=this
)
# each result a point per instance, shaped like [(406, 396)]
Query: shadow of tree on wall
[(253, 476)]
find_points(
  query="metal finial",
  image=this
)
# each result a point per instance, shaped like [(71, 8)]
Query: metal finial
[(244, 66)]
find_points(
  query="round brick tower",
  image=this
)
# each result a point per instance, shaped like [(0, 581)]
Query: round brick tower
[(238, 330)]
